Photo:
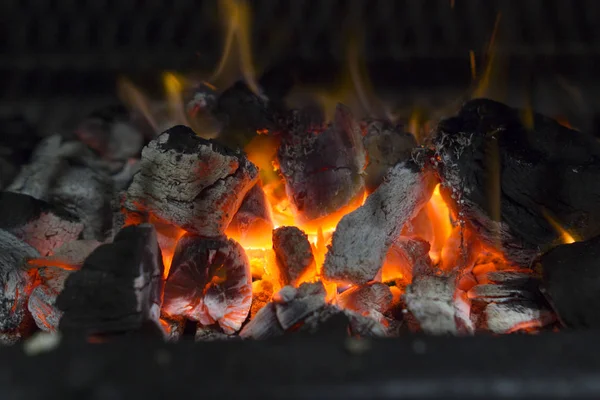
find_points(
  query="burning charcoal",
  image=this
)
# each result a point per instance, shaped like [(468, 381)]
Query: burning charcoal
[(70, 255), (337, 321), (172, 328), (262, 292), (87, 194), (16, 285), (190, 182), (363, 237), (264, 325), (386, 146), (365, 299), (512, 316), (513, 277), (293, 305), (210, 282), (42, 302), (119, 286), (47, 162), (571, 282), (323, 169), (487, 147), (252, 222), (210, 334), (111, 134), (293, 254), (405, 258), (499, 293), (36, 222), (438, 306)]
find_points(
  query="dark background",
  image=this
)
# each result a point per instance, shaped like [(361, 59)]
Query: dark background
[(61, 58)]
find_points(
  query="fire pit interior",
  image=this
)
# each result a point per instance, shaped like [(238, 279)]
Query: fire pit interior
[(448, 183)]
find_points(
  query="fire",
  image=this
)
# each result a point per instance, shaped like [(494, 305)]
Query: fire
[(565, 236)]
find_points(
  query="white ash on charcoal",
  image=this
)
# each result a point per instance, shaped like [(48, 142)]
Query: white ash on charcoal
[(386, 145), (323, 169), (253, 219), (172, 328), (48, 160), (293, 255), (191, 182), (517, 315), (363, 237), (211, 333), (42, 301), (571, 282), (334, 320), (487, 146), (118, 288), (210, 282), (16, 284), (438, 305), (290, 307), (371, 299), (38, 223), (111, 133), (503, 292)]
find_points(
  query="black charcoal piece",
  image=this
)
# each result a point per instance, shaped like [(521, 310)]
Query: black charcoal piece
[(323, 168), (195, 184), (210, 282), (437, 305), (363, 237), (386, 146), (512, 183), (38, 223), (293, 254), (252, 222), (16, 284), (111, 134), (517, 315), (571, 282), (119, 286)]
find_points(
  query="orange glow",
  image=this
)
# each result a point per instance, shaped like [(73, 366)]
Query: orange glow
[(473, 65), (136, 100), (51, 262), (439, 214), (173, 88), (565, 236)]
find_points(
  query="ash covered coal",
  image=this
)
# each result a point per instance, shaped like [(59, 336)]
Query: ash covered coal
[(509, 181), (293, 253), (210, 282)]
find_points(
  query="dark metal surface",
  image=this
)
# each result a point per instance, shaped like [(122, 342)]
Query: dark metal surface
[(543, 366)]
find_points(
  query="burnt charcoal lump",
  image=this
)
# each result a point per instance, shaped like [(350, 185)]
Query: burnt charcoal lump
[(571, 282), (510, 181), (118, 287)]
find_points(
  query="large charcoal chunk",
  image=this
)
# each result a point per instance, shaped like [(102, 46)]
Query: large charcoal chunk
[(36, 222), (509, 181), (16, 284), (293, 254), (210, 282), (517, 315), (386, 146), (119, 286), (190, 182), (571, 281), (253, 221), (323, 169), (363, 237)]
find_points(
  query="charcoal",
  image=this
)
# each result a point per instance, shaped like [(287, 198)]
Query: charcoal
[(192, 183), (294, 305), (438, 306), (333, 320), (87, 194), (262, 292), (365, 299), (571, 282), (264, 325), (386, 146), (241, 113), (512, 277), (487, 147), (499, 293), (323, 168), (252, 222), (118, 288), (513, 316), (70, 255), (210, 334), (209, 281), (42, 301), (49, 160), (293, 254), (38, 223), (111, 134), (407, 257), (363, 237), (16, 284), (172, 328)]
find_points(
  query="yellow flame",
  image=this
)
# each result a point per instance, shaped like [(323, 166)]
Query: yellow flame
[(473, 65), (174, 87), (135, 100), (566, 237), (484, 84), (237, 48)]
